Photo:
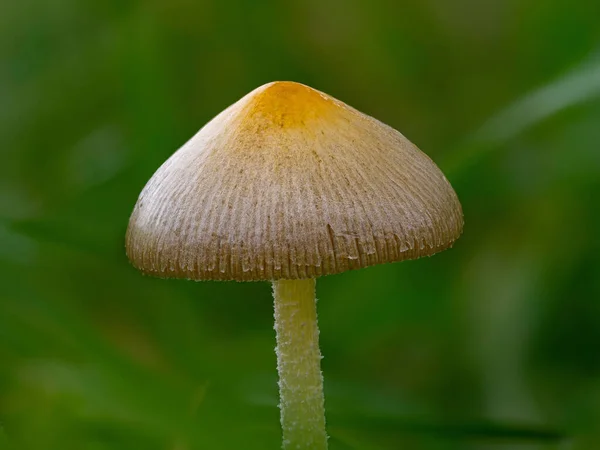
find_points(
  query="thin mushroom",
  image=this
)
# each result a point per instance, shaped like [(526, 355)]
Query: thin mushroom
[(286, 185)]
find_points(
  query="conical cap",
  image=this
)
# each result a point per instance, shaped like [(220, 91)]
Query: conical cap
[(290, 183)]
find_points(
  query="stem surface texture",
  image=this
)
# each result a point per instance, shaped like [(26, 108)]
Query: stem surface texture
[(299, 365)]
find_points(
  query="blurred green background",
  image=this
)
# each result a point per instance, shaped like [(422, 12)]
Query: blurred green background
[(494, 344)]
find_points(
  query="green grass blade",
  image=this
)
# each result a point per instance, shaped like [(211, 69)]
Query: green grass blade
[(579, 86)]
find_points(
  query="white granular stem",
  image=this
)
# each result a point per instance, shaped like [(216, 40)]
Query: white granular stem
[(299, 365)]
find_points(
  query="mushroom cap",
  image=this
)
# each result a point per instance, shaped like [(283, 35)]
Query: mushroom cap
[(290, 183)]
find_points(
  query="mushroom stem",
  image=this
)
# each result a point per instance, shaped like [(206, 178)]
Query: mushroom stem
[(299, 365)]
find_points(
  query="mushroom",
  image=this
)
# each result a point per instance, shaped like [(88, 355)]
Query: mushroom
[(286, 185)]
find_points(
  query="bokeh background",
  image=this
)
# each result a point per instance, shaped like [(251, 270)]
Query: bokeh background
[(494, 344)]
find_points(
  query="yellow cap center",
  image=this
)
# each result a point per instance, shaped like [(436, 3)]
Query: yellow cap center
[(287, 104)]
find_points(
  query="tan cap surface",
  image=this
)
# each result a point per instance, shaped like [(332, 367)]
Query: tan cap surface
[(290, 183)]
